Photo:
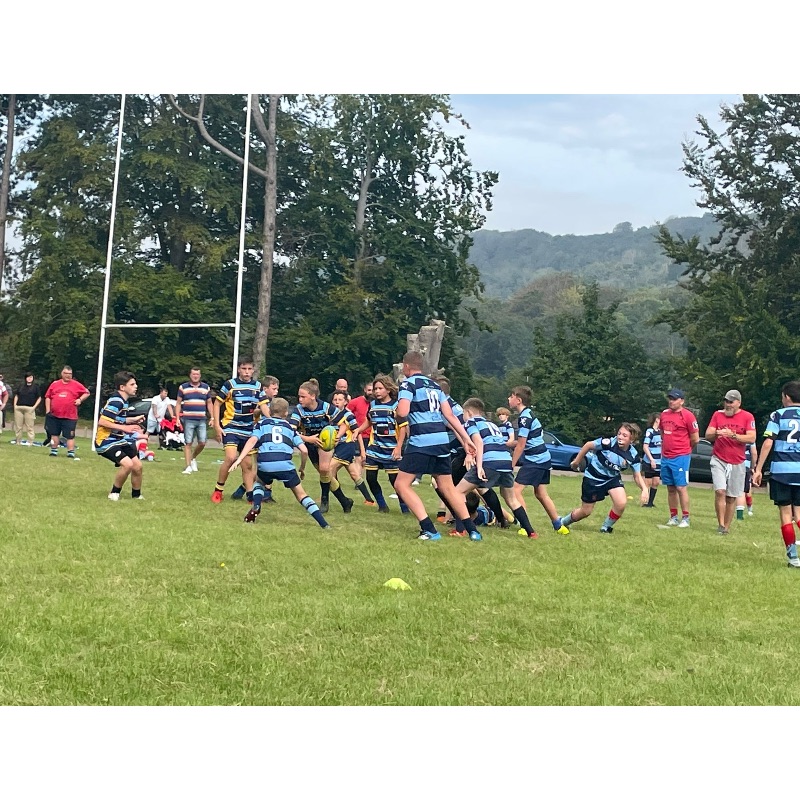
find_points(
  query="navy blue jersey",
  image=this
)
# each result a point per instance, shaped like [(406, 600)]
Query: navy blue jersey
[(239, 401), (652, 438), (385, 427), (607, 460), (784, 430), (276, 442), (495, 453), (483, 516), (455, 442), (343, 415), (535, 452), (426, 424), (311, 422), (506, 428)]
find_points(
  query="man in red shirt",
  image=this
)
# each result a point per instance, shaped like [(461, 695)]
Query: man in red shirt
[(679, 434), (731, 430), (359, 406), (61, 402)]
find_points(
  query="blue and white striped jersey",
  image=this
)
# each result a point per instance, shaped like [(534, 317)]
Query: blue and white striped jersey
[(276, 442), (784, 430), (608, 460), (530, 429), (428, 432), (383, 437), (310, 422), (495, 453), (652, 438)]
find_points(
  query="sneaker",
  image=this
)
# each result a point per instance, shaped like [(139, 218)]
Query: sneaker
[(194, 465), (793, 562), (237, 494), (216, 496), (722, 530), (560, 527), (324, 506), (606, 529), (673, 522), (522, 532), (684, 523), (474, 536), (369, 502), (383, 509), (187, 471), (348, 506), (252, 514), (750, 513), (456, 532), (563, 530), (441, 516), (415, 482), (72, 457), (393, 497), (429, 536), (53, 453), (140, 497), (533, 535), (114, 496)]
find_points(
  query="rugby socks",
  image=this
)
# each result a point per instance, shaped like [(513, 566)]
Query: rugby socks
[(787, 531), (610, 519), (403, 506), (493, 502), (565, 521), (136, 493), (313, 509), (340, 495), (219, 487), (652, 498), (70, 454), (267, 492), (673, 512), (325, 487), (427, 525), (522, 518), (249, 496), (749, 500), (372, 482), (739, 512), (469, 524), (116, 489), (257, 495), (362, 487)]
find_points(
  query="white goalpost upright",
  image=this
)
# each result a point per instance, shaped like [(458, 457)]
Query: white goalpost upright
[(104, 324)]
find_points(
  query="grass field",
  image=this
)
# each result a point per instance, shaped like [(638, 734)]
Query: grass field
[(175, 601)]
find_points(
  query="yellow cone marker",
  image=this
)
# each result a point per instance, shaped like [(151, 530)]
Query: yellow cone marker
[(396, 583)]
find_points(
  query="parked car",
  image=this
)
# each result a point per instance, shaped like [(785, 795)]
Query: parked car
[(562, 449), (700, 463)]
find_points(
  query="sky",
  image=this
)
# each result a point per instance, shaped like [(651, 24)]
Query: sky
[(581, 163)]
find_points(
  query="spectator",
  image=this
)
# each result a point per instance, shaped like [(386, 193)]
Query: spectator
[(731, 431), (679, 434), (360, 406), (3, 402), (61, 402), (27, 398), (193, 409), (341, 386), (161, 408)]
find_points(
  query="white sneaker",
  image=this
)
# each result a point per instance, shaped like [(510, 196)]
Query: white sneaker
[(113, 496), (188, 471), (673, 522), (684, 523), (749, 513), (415, 482), (793, 562), (393, 496), (73, 458), (140, 497), (194, 465)]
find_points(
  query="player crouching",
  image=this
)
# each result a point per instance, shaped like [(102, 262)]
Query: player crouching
[(117, 435), (276, 440)]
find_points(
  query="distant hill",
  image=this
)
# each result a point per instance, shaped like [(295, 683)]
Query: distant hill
[(508, 260)]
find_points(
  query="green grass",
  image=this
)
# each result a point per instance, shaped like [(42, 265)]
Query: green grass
[(129, 604)]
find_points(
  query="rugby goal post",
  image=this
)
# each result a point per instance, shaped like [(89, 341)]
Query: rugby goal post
[(104, 324)]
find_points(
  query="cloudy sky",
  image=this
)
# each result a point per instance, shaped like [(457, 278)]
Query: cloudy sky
[(578, 163)]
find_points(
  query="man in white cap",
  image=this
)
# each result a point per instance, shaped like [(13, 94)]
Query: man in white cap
[(680, 435), (732, 430)]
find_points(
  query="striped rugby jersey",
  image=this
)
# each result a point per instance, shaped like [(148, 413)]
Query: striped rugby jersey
[(383, 436), (344, 415), (193, 399), (652, 438), (455, 442), (276, 442), (784, 430), (506, 428), (495, 453), (240, 401), (115, 410), (535, 452), (428, 432), (608, 460), (311, 422)]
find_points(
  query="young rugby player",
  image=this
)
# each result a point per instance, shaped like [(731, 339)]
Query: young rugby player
[(349, 450)]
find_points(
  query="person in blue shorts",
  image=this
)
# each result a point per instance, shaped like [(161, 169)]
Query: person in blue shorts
[(422, 402), (349, 450), (276, 441), (606, 460), (782, 440)]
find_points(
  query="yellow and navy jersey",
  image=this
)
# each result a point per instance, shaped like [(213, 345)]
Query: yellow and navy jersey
[(309, 422), (240, 401), (115, 410), (343, 415), (385, 427)]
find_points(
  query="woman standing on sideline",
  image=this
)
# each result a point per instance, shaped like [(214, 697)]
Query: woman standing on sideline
[(27, 398)]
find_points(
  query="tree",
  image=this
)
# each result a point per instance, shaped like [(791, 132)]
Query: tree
[(742, 323), (590, 376)]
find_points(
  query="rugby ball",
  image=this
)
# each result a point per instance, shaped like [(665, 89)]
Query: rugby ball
[(328, 437)]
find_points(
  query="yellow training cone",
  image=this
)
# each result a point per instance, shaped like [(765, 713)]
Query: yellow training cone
[(396, 583)]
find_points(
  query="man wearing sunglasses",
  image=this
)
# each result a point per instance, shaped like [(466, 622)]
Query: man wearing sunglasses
[(732, 430)]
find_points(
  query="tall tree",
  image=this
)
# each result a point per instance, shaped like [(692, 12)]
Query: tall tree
[(743, 320)]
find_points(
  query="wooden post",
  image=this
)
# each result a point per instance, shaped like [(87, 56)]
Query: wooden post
[(428, 342)]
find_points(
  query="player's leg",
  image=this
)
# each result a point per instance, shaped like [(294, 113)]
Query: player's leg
[(619, 500), (355, 471), (371, 471), (230, 444), (345, 502), (68, 432), (520, 514), (308, 504), (456, 500)]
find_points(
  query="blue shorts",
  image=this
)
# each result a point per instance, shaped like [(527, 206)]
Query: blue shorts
[(375, 463), (345, 452), (236, 440), (593, 492), (192, 427), (416, 463), (494, 477), (675, 470), (531, 475), (288, 477)]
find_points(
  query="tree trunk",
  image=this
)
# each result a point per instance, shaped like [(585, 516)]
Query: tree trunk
[(4, 188), (268, 241)]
